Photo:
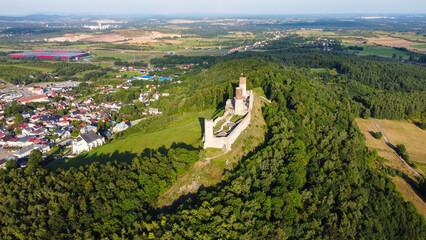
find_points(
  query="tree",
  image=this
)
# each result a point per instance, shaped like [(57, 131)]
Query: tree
[(402, 150), (378, 135), (35, 158), (11, 164)]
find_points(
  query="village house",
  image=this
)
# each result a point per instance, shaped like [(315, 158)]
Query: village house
[(86, 142), (120, 127), (25, 152)]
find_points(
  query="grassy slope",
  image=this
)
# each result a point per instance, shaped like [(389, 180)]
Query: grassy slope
[(413, 137), (186, 131), (366, 126), (410, 195), (397, 132)]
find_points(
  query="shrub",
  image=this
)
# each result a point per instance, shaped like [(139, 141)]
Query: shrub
[(378, 135)]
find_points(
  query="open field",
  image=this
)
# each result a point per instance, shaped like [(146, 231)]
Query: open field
[(413, 137), (383, 52), (395, 130), (186, 131), (419, 46), (209, 172), (410, 195), (408, 40), (394, 42), (39, 69), (367, 127)]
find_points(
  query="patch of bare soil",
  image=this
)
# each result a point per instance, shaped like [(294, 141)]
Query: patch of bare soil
[(106, 38), (70, 38)]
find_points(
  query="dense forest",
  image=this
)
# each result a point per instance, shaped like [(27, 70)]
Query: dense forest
[(313, 178)]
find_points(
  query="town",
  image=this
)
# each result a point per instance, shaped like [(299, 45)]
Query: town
[(60, 120)]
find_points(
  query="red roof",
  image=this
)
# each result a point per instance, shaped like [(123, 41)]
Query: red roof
[(25, 100)]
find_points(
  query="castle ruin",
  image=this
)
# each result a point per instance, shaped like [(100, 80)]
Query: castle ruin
[(223, 131)]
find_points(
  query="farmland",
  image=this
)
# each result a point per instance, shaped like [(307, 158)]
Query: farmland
[(397, 132)]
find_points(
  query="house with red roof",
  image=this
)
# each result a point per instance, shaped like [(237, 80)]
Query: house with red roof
[(39, 98)]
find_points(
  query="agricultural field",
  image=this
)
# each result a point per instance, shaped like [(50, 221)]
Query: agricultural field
[(398, 132), (382, 51), (378, 43), (419, 46), (413, 137)]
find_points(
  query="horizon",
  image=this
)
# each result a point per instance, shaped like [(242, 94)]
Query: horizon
[(218, 7)]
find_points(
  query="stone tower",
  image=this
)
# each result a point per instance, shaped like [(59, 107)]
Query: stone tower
[(243, 86), (208, 129), (239, 105)]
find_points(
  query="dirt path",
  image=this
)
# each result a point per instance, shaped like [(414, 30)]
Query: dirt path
[(269, 101), (393, 148)]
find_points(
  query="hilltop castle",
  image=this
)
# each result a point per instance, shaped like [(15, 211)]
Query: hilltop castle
[(223, 131)]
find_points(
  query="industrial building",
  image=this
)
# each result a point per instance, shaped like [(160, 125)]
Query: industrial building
[(51, 54)]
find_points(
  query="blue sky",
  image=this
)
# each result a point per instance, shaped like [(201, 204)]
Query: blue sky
[(120, 7)]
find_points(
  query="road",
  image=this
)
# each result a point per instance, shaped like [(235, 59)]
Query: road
[(393, 148), (20, 91)]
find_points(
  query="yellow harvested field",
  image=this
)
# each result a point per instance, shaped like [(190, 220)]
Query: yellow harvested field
[(410, 195), (413, 137), (367, 127), (397, 132), (394, 42)]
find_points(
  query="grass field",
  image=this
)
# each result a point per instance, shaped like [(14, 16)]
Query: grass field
[(186, 131), (209, 172), (410, 195), (397, 132), (383, 52), (39, 69), (419, 46), (413, 137)]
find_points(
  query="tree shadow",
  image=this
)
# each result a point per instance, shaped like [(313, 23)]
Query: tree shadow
[(373, 134), (100, 158), (392, 146), (201, 121), (414, 185), (419, 125)]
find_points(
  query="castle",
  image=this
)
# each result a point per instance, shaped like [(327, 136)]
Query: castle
[(227, 130)]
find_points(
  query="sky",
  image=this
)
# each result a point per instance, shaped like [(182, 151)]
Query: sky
[(229, 7)]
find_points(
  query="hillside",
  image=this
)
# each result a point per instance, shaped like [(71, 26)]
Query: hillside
[(313, 178)]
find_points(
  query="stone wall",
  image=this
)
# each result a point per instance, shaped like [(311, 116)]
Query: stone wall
[(211, 141)]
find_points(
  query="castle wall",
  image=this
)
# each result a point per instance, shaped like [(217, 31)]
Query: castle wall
[(226, 142), (211, 141)]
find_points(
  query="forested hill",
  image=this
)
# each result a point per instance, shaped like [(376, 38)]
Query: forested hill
[(312, 179)]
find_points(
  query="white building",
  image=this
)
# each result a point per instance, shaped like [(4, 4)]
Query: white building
[(120, 127), (86, 142)]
